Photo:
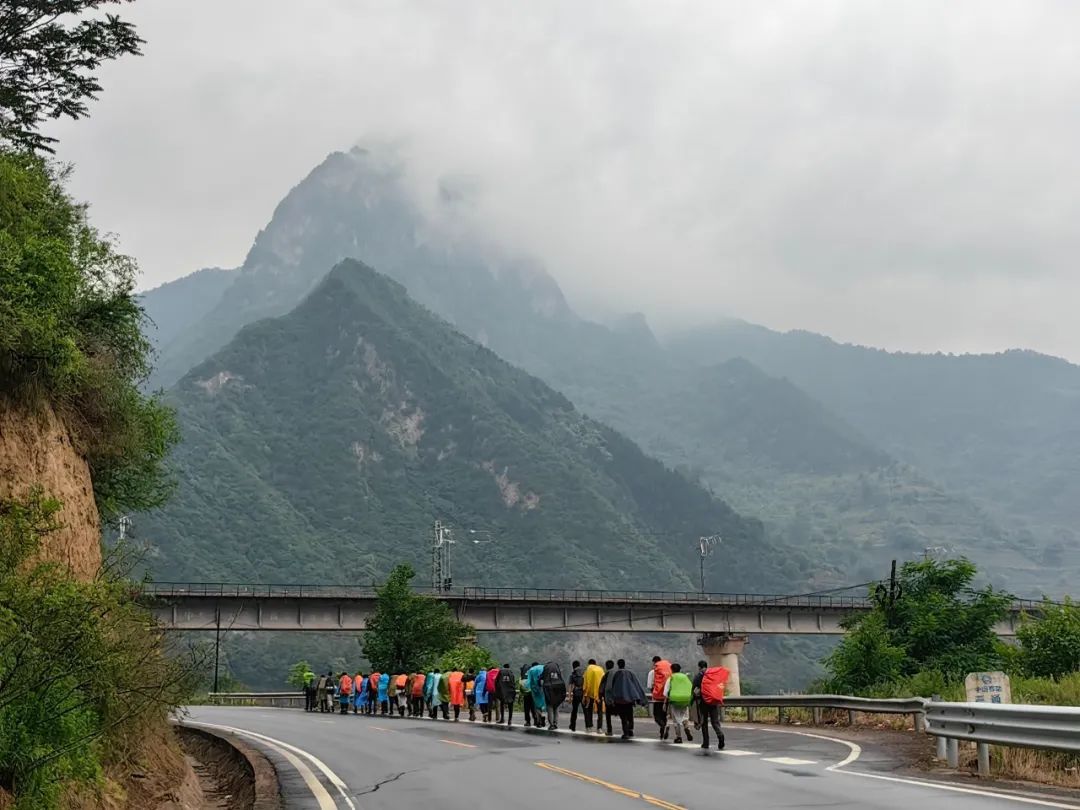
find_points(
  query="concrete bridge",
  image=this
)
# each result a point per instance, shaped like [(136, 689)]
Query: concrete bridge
[(723, 622), (321, 608)]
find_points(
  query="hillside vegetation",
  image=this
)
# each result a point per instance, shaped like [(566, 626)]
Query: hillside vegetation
[(320, 445), (774, 446)]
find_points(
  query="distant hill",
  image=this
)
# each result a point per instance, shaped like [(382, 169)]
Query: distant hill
[(1002, 430), (176, 306), (319, 445)]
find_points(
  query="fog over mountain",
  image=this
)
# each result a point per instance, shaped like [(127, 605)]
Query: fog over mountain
[(901, 174)]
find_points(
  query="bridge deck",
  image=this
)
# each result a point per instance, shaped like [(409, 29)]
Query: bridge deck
[(206, 606)]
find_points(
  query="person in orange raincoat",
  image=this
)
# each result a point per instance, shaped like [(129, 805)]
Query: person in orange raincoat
[(344, 691), (373, 693), (416, 704), (401, 695), (457, 692)]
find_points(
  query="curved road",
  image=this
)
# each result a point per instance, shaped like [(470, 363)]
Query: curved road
[(334, 762)]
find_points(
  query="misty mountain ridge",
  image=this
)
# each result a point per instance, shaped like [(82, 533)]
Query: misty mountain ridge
[(322, 443), (786, 436)]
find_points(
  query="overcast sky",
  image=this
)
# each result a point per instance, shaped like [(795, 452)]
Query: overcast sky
[(901, 174)]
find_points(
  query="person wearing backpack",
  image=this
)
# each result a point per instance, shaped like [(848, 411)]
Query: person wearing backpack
[(551, 680), (576, 688), (709, 691), (678, 694), (654, 685), (505, 689)]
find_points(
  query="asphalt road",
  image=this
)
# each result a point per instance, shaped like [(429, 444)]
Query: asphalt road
[(334, 762)]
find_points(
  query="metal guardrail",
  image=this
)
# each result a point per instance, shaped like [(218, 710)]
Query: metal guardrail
[(817, 703), (275, 699), (1049, 728)]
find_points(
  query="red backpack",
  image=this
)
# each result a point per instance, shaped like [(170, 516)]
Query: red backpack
[(712, 685)]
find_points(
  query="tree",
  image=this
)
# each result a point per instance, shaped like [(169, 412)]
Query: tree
[(71, 336), (1050, 644), (298, 674), (408, 632), (47, 61), (935, 623), (467, 658)]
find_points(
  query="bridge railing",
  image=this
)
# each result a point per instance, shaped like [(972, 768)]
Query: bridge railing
[(540, 595), (486, 594)]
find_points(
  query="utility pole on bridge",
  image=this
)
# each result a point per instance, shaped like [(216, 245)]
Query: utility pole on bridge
[(705, 548), (441, 578)]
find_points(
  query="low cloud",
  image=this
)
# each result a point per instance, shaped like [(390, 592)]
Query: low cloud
[(901, 174)]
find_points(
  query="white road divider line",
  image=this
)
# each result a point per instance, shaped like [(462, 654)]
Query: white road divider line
[(856, 752), (322, 796), (335, 780), (789, 761)]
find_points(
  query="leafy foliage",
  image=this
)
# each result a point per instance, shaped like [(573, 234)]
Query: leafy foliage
[(1050, 643), (937, 623), (408, 631), (81, 665), (467, 658), (71, 335), (47, 63), (298, 673)]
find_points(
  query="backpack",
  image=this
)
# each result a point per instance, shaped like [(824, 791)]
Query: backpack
[(661, 672), (712, 685), (682, 689)]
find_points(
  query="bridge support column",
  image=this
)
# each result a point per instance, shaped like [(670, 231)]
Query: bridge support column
[(723, 650)]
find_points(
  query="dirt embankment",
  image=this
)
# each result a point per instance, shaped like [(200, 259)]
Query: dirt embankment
[(36, 451)]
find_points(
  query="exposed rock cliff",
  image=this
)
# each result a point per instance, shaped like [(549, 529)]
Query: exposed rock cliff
[(36, 451)]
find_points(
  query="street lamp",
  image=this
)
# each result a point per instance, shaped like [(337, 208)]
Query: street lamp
[(706, 545), (476, 542)]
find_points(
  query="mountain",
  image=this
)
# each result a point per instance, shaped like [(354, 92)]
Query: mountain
[(1001, 430), (319, 445), (176, 306), (356, 205), (781, 434)]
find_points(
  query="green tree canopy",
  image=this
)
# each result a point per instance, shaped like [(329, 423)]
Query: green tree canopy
[(936, 623), (71, 335), (467, 657), (298, 674), (1050, 643), (408, 632), (47, 61)]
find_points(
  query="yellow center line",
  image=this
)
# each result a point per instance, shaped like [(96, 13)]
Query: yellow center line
[(455, 742), (623, 791)]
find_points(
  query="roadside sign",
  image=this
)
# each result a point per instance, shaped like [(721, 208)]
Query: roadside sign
[(988, 687)]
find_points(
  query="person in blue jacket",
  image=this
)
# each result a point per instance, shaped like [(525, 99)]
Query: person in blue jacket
[(357, 698), (384, 698), (533, 679), (481, 696), (360, 696), (430, 695)]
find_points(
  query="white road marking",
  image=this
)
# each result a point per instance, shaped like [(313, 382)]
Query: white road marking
[(856, 752), (324, 799), (789, 761), (957, 789), (736, 752), (335, 780)]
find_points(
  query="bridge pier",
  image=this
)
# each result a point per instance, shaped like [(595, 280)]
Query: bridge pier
[(723, 650)]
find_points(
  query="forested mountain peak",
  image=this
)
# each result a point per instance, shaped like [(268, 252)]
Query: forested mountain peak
[(325, 442)]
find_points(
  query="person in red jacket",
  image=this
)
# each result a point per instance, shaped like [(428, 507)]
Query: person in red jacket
[(709, 710), (492, 679), (344, 691)]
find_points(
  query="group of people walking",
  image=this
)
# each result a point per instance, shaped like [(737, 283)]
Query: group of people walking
[(681, 704)]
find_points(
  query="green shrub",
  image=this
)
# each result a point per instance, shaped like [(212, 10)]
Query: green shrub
[(71, 335), (81, 665)]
